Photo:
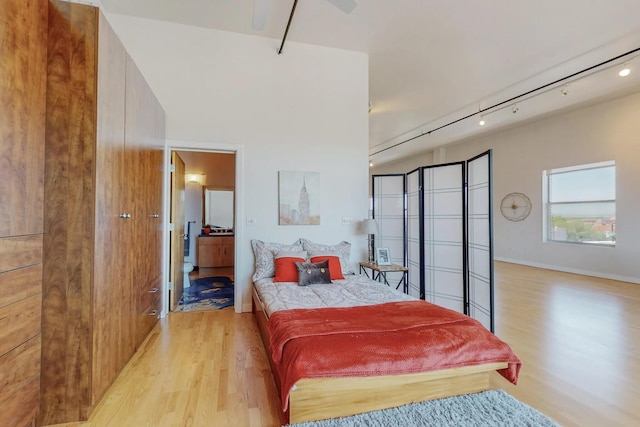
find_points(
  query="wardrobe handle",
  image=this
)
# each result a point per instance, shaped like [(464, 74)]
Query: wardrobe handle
[(125, 215), (155, 216), (153, 313), (153, 291)]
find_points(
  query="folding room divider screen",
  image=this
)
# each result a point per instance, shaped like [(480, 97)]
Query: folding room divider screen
[(447, 232), (389, 212)]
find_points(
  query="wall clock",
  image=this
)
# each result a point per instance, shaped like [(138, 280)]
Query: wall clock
[(515, 206)]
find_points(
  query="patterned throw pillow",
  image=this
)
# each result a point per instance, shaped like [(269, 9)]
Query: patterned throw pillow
[(313, 273), (342, 250), (264, 255)]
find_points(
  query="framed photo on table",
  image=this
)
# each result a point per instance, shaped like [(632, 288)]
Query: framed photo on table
[(382, 256)]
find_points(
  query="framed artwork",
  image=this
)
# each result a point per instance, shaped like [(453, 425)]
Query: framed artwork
[(299, 198), (382, 256)]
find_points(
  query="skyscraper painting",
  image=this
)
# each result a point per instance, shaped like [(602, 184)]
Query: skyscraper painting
[(299, 198)]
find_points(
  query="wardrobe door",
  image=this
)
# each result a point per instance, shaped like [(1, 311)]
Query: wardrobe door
[(155, 190), (113, 313), (23, 63), (69, 241), (443, 217), (144, 186), (139, 135), (480, 240), (23, 55)]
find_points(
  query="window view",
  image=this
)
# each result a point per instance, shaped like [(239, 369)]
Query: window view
[(580, 204)]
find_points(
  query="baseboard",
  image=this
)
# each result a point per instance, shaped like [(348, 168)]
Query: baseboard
[(634, 280)]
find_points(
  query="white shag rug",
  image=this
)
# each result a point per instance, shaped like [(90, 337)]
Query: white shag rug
[(492, 408)]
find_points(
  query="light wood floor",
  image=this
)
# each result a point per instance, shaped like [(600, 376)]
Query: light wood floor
[(578, 339)]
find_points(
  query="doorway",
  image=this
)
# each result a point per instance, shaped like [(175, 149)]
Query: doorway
[(189, 206)]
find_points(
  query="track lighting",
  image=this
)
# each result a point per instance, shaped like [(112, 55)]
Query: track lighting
[(564, 91), (481, 122), (370, 164), (515, 108)]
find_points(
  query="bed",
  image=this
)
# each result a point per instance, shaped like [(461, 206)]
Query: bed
[(355, 345)]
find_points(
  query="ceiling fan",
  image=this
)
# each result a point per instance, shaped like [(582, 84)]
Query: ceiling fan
[(262, 10)]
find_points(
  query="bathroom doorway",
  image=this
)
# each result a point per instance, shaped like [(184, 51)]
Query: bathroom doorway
[(209, 198)]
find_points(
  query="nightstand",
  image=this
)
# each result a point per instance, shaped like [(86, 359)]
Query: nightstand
[(379, 273)]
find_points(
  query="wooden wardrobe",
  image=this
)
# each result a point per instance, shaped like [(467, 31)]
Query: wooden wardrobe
[(102, 212), (23, 60)]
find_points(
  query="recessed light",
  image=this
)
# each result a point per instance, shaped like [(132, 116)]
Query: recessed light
[(624, 72)]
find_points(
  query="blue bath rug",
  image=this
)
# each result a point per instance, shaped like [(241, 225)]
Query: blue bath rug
[(207, 293)]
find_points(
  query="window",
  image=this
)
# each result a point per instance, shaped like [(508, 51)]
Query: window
[(580, 204)]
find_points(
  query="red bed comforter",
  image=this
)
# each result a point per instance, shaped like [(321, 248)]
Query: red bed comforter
[(384, 339)]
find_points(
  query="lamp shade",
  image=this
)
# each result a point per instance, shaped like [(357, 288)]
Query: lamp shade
[(370, 226)]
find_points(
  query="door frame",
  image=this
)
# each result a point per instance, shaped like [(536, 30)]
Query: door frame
[(205, 147)]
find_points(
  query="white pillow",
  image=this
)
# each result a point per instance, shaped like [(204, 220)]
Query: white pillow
[(342, 250), (288, 254), (263, 252)]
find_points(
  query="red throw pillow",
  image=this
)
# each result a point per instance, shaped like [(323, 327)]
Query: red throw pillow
[(286, 270), (334, 265)]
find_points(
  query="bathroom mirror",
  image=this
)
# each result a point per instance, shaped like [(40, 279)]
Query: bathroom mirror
[(218, 207)]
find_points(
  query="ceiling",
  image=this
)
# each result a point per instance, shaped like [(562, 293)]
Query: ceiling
[(433, 62)]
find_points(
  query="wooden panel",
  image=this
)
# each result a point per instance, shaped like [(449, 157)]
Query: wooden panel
[(19, 284), (23, 49), (337, 397), (227, 255), (149, 307), (19, 322), (23, 61), (21, 251), (141, 178), (156, 189), (215, 251), (113, 301), (135, 170), (19, 367), (209, 251), (149, 295), (21, 409), (68, 243)]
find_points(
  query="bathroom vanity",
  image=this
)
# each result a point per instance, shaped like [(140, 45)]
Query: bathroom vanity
[(215, 250)]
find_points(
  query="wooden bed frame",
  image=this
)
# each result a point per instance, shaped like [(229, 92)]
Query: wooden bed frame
[(317, 399)]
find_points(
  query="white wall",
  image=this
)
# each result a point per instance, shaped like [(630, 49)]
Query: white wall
[(304, 110), (605, 131)]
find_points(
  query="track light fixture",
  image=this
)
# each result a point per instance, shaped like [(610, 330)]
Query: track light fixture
[(606, 65)]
